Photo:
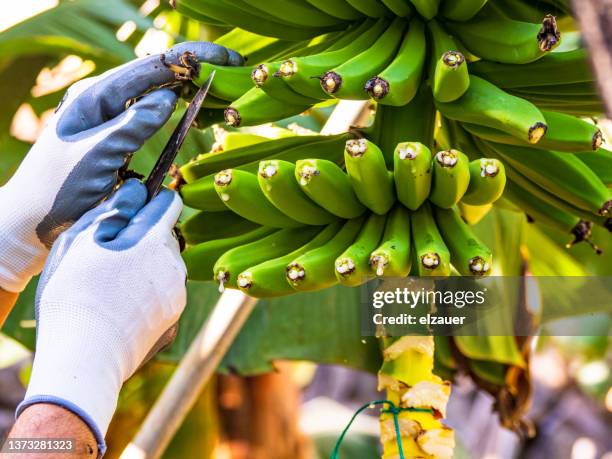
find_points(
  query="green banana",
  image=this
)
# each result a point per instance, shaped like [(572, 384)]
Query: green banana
[(302, 73), (451, 178), (525, 11), (236, 260), (542, 212), (392, 257), (554, 68), (538, 191), (201, 195), (473, 214), (230, 83), (256, 48), (337, 8), (353, 266), (398, 83), (412, 173), (277, 182), (286, 148), (209, 116), (487, 105), (585, 89), (565, 133), (262, 77), (294, 12), (209, 163), (190, 12), (393, 125), (200, 259), (368, 175), (225, 11), (487, 182), (257, 107), (268, 279), (431, 255), (461, 10), (400, 8), (426, 8), (451, 78), (240, 192), (371, 8), (449, 68), (347, 81), (469, 255), (507, 41), (329, 187), (572, 180), (208, 226), (599, 162), (314, 270), (235, 140)]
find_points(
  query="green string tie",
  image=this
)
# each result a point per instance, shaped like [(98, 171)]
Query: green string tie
[(393, 409)]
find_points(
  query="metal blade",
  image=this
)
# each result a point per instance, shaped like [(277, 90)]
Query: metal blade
[(166, 159)]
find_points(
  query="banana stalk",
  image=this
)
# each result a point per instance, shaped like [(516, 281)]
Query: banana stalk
[(418, 401)]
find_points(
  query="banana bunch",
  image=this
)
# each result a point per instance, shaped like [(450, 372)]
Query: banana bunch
[(272, 223), (476, 103), (488, 77)]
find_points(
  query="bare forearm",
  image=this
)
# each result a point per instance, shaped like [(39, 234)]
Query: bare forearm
[(52, 422), (7, 301)]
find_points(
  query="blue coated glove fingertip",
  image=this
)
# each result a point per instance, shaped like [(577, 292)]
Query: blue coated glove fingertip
[(165, 197), (164, 98), (132, 191), (234, 58)]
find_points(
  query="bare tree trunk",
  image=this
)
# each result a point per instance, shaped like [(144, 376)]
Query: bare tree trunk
[(260, 415), (595, 18)]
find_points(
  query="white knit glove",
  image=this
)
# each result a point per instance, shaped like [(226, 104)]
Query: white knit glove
[(113, 285), (75, 161)]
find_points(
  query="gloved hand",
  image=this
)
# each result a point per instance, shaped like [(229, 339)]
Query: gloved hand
[(74, 163), (113, 285)]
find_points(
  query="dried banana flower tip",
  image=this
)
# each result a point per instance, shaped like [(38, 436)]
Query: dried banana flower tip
[(597, 140), (536, 132), (306, 172), (549, 35), (295, 272), (606, 208), (268, 169), (331, 82), (356, 148), (489, 168), (232, 117), (430, 260), (447, 158), (287, 68), (407, 152), (259, 75), (479, 266), (379, 262), (377, 87), (223, 178), (345, 266), (245, 280), (453, 59)]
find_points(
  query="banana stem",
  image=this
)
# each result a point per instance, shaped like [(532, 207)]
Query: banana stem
[(414, 428)]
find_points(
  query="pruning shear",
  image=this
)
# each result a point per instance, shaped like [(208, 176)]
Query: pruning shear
[(159, 172)]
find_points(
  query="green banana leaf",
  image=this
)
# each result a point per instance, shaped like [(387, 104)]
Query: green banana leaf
[(83, 27)]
